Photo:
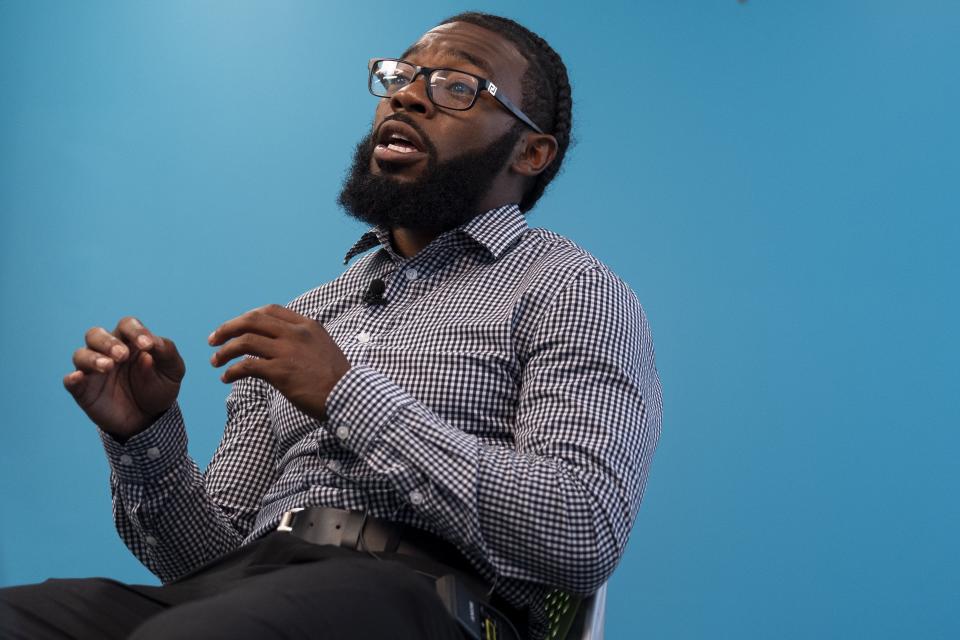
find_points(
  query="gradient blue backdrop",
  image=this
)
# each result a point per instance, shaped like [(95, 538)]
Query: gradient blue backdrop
[(777, 181)]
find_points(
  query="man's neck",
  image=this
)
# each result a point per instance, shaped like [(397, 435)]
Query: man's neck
[(409, 242)]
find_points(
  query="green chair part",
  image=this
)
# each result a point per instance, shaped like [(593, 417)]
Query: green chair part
[(575, 618)]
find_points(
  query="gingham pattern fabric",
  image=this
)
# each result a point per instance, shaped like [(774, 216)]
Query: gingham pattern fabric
[(504, 398)]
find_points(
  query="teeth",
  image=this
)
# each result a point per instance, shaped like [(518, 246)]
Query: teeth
[(400, 140), (398, 143), (401, 149)]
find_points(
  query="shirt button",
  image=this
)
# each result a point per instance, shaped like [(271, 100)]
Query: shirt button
[(126, 459), (411, 274), (150, 540), (416, 498), (343, 433), (153, 453), (363, 337), (334, 465)]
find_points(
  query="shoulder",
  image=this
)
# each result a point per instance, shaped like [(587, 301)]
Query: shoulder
[(551, 247), (570, 294), (559, 266)]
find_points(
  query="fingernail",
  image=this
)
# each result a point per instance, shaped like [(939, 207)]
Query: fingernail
[(144, 341), (103, 363), (210, 337), (118, 351)]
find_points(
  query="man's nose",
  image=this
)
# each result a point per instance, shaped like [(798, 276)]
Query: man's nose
[(413, 97)]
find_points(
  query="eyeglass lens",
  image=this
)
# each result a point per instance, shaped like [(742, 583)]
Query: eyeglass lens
[(448, 88)]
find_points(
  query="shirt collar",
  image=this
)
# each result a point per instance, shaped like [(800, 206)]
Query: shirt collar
[(495, 230)]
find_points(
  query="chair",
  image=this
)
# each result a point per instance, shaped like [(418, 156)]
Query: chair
[(573, 618)]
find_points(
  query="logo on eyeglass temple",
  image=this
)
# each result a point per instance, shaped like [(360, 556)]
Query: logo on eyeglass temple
[(492, 88)]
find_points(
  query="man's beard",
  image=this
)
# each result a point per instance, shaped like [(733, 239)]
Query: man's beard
[(444, 197)]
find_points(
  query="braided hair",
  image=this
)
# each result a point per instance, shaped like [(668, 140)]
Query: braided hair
[(546, 90)]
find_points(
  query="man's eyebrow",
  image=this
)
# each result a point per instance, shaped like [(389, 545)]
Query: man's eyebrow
[(456, 53)]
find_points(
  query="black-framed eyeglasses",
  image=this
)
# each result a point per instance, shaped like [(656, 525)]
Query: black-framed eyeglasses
[(447, 88)]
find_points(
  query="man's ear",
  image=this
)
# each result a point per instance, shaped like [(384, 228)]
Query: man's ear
[(534, 153)]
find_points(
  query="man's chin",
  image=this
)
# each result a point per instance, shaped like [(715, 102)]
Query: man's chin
[(401, 173)]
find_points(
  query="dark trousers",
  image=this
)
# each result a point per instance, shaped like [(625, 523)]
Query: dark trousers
[(278, 587)]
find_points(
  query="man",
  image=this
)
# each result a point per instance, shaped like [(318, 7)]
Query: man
[(468, 413)]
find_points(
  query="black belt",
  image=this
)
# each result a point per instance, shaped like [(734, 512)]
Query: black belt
[(354, 530), (361, 532)]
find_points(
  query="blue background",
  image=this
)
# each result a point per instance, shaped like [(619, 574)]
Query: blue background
[(777, 181)]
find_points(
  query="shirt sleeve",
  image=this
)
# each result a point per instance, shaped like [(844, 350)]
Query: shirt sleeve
[(172, 517), (557, 507)]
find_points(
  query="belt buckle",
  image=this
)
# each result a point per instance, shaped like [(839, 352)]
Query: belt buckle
[(286, 520)]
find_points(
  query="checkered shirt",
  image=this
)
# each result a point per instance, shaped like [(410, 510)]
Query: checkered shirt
[(504, 398)]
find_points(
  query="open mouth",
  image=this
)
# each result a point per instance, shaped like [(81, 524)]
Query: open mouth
[(398, 143)]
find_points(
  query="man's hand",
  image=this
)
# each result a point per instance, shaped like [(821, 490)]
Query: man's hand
[(293, 353), (127, 379)]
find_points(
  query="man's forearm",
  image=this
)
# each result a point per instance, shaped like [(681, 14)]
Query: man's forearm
[(519, 514)]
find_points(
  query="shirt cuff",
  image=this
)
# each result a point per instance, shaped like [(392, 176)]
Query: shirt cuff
[(150, 454), (361, 405)]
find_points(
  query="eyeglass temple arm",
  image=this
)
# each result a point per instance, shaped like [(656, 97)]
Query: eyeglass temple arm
[(505, 101)]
